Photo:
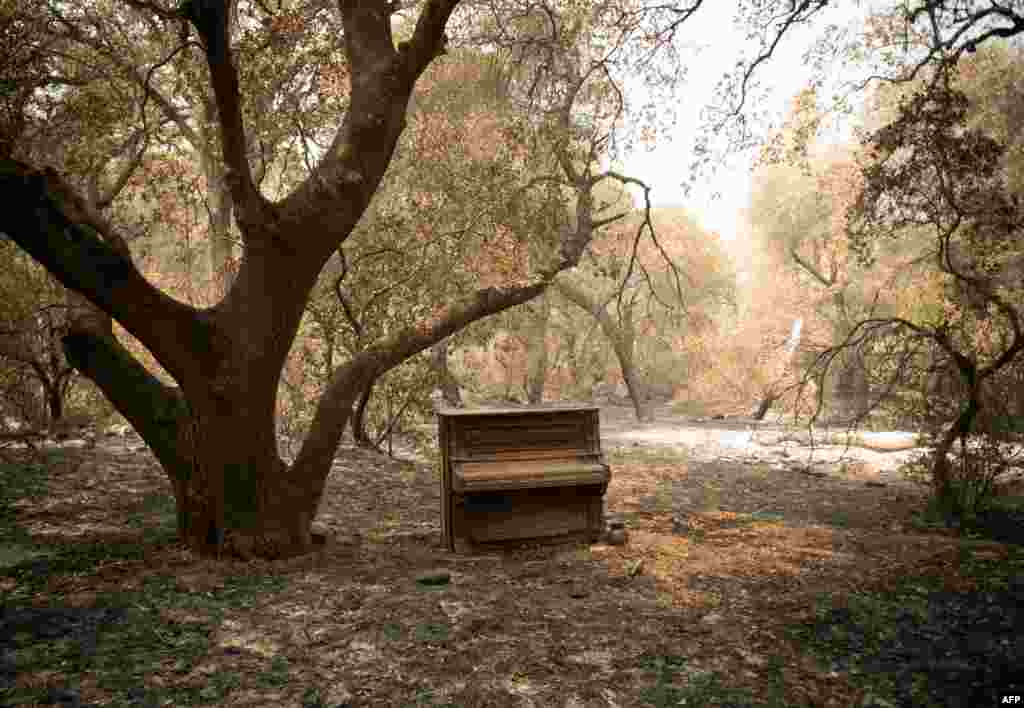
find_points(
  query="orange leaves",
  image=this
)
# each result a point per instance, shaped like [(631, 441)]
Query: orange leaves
[(503, 261), (432, 137), (481, 133), (334, 79), (438, 315), (288, 23), (889, 31), (511, 354), (475, 139), (422, 199)]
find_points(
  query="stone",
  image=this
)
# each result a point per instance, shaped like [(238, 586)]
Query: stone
[(616, 537), (712, 618), (615, 530)]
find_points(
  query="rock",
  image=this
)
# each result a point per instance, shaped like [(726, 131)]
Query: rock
[(615, 530), (616, 537), (711, 618)]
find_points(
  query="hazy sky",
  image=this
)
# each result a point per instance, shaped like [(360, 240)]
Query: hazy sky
[(665, 167)]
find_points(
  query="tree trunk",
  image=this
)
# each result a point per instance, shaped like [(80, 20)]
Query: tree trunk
[(767, 401), (537, 350), (851, 391), (633, 384), (359, 434), (449, 386), (221, 263), (229, 497), (55, 401), (947, 495)]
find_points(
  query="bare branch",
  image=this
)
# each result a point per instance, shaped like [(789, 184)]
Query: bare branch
[(356, 325), (798, 13), (811, 270)]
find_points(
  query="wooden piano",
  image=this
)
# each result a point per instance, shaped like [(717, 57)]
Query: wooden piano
[(516, 474)]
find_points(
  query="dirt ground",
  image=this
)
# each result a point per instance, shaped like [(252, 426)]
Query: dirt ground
[(722, 559)]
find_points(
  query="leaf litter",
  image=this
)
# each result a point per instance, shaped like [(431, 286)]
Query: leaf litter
[(739, 585)]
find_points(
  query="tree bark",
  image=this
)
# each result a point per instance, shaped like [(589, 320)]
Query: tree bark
[(359, 434), (946, 493), (449, 386), (767, 401), (537, 350), (221, 264)]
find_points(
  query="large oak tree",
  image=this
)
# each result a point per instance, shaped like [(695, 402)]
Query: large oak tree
[(213, 432)]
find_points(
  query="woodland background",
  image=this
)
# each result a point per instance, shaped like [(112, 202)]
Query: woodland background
[(877, 281), (244, 228)]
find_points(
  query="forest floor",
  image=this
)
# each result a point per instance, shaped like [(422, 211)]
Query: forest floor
[(743, 582)]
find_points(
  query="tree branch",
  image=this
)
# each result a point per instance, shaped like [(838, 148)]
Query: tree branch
[(210, 18), (428, 39), (333, 197), (131, 162), (55, 226), (811, 270), (349, 380), (132, 72)]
